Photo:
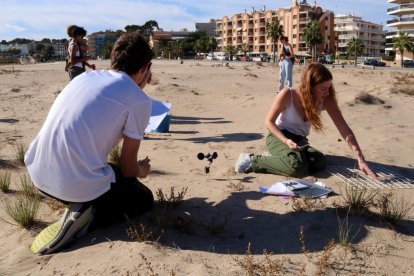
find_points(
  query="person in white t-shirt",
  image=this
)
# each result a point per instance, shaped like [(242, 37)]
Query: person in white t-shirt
[(289, 120), (68, 158)]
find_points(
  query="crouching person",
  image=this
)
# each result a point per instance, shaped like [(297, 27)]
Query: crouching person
[(68, 158)]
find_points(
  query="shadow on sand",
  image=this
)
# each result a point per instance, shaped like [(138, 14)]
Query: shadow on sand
[(278, 233)]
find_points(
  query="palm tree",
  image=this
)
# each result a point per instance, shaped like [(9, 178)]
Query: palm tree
[(245, 48), (274, 30), (179, 47), (402, 42), (212, 44), (355, 46), (230, 50), (312, 35)]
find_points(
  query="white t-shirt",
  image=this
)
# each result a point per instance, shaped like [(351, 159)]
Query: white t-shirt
[(72, 44), (68, 158)]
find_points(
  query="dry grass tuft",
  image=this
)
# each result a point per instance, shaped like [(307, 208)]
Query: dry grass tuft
[(141, 233), (20, 151), (266, 267), (325, 259), (345, 235), (305, 204), (173, 200), (404, 83), (358, 200), (234, 186), (392, 208), (148, 265), (366, 98), (26, 186), (5, 181), (22, 209)]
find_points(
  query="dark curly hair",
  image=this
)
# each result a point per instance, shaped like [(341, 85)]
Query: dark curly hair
[(130, 53), (79, 31)]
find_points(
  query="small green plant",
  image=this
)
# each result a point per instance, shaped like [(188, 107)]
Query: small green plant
[(20, 151), (22, 209), (392, 208), (358, 200), (345, 235), (26, 186), (173, 200), (5, 181)]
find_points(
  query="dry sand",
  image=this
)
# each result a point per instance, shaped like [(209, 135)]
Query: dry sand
[(221, 109)]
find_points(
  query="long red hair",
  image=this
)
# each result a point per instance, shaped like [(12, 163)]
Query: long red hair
[(316, 73)]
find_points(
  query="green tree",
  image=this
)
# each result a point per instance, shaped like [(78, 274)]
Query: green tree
[(402, 42), (230, 50), (179, 47), (132, 28), (274, 30), (164, 44), (148, 28), (106, 51), (312, 35), (356, 47), (212, 44), (245, 48)]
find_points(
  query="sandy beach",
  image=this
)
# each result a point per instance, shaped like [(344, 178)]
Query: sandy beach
[(221, 108)]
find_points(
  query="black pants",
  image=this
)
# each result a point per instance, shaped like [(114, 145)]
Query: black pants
[(127, 198)]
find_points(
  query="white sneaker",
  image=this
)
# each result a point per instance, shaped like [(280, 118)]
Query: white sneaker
[(243, 163)]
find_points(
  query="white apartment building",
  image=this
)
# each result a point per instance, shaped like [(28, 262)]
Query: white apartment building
[(403, 12), (372, 35), (24, 49)]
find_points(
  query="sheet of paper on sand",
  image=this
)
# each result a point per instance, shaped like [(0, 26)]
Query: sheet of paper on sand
[(158, 113), (298, 187)]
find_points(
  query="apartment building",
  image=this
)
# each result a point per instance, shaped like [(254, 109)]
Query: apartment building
[(97, 42), (403, 12), (372, 35), (171, 36), (250, 28), (209, 28)]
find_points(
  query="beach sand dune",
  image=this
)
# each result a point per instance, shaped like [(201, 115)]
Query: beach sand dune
[(219, 108)]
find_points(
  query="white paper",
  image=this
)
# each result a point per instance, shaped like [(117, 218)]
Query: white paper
[(159, 111)]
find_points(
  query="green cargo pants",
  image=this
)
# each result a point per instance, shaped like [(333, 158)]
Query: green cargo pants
[(284, 161)]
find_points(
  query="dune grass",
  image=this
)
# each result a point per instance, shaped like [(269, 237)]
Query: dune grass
[(22, 209), (5, 177)]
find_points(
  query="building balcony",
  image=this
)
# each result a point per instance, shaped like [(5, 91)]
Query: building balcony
[(393, 34), (403, 9), (397, 1), (401, 22)]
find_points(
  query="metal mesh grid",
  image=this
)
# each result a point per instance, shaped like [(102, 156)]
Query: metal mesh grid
[(387, 178)]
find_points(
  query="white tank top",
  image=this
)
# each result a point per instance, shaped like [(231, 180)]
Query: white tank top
[(290, 120)]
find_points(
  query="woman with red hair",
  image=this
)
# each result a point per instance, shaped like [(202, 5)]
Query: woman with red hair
[(289, 120)]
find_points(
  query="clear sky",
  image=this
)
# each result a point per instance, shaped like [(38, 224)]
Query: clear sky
[(48, 18)]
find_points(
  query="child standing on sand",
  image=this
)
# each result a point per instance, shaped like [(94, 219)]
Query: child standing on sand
[(77, 51)]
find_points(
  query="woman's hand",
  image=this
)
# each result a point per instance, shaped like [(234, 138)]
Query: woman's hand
[(363, 166), (292, 145), (144, 167)]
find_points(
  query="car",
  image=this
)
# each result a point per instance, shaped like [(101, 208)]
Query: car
[(408, 63), (374, 62), (325, 59)]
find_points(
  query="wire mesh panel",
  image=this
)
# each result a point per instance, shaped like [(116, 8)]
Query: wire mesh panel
[(387, 179)]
